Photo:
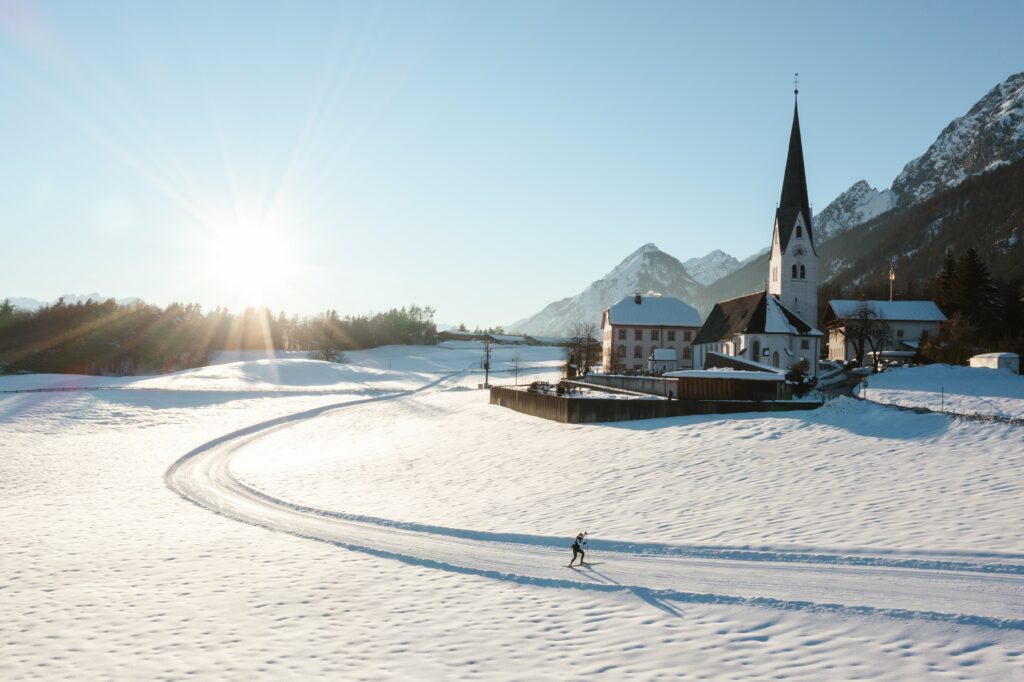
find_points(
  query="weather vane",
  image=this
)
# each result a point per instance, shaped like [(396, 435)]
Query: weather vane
[(796, 83)]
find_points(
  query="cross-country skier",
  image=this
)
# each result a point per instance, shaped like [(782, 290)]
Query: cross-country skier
[(577, 547)]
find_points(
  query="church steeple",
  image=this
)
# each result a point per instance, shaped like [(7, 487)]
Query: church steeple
[(793, 266), (794, 201)]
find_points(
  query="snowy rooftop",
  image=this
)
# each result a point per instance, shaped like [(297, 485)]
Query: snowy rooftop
[(655, 311), (915, 311), (726, 373)]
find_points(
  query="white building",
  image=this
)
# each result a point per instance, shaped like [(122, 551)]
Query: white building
[(635, 327), (759, 328), (907, 322)]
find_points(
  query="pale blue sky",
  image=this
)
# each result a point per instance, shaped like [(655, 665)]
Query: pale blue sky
[(485, 158)]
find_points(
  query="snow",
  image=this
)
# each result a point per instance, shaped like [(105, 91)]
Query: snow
[(648, 268), (727, 373), (711, 267), (852, 541), (915, 311), (957, 390), (666, 311)]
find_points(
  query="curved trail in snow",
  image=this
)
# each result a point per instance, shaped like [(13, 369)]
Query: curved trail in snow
[(983, 589)]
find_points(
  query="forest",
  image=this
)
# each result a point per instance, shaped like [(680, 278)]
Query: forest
[(108, 338)]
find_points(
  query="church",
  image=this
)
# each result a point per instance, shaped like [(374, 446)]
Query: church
[(775, 327)]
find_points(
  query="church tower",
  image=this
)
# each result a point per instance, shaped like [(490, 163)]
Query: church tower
[(793, 269)]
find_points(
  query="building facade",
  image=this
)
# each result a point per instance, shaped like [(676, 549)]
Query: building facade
[(907, 323), (757, 327), (635, 327)]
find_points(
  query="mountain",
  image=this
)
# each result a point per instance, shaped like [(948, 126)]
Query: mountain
[(982, 142), (990, 135), (715, 265), (648, 269), (984, 212), (69, 299), (860, 203)]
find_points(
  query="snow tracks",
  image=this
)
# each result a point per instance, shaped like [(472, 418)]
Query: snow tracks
[(981, 590)]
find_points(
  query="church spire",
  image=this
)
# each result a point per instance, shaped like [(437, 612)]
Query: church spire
[(794, 201)]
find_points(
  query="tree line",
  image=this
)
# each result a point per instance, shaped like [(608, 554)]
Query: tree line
[(983, 313), (105, 337)]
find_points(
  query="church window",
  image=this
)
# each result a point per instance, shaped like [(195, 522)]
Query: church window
[(638, 335), (622, 335), (775, 359), (638, 352), (803, 272), (671, 335), (794, 270), (799, 232), (757, 349)]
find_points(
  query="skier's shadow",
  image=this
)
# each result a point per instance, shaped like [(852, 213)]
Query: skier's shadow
[(642, 592)]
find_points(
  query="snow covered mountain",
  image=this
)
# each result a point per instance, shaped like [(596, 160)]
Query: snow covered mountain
[(69, 299), (990, 135), (714, 265), (860, 203), (646, 269)]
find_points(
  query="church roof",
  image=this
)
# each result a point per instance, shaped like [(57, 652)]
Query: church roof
[(758, 313), (794, 199), (653, 311)]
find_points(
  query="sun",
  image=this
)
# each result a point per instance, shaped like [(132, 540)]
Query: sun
[(248, 258)]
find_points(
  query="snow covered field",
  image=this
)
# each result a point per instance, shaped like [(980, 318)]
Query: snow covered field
[(957, 390), (106, 572)]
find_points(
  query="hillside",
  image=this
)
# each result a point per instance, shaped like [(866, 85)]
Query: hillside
[(985, 212)]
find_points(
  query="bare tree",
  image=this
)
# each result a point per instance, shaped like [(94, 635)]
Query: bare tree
[(327, 337), (866, 329), (582, 350)]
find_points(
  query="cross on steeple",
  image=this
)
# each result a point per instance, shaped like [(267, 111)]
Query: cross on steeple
[(796, 83)]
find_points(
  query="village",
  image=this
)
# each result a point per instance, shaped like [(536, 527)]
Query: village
[(652, 355)]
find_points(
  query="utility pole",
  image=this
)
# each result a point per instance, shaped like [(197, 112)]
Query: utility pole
[(487, 364)]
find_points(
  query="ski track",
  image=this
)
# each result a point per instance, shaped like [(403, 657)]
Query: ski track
[(984, 589)]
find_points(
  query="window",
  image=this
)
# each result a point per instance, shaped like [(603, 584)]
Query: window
[(794, 270), (687, 335), (654, 334), (638, 334), (805, 344), (687, 353), (638, 352), (622, 352), (622, 335), (803, 273), (756, 346), (899, 333), (799, 232), (671, 335), (775, 359)]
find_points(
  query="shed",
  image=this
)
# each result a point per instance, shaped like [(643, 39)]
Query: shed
[(1010, 361), (728, 384)]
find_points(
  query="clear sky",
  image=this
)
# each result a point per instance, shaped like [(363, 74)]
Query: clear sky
[(482, 157)]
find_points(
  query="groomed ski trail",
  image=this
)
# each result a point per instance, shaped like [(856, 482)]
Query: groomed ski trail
[(983, 590)]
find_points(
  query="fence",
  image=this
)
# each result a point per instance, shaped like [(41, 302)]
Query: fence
[(573, 410), (697, 387)]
